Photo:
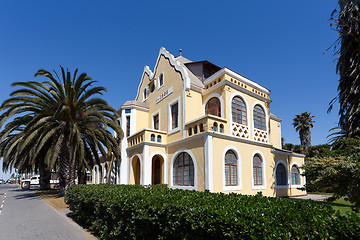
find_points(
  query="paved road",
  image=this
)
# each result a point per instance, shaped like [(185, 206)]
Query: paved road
[(26, 216)]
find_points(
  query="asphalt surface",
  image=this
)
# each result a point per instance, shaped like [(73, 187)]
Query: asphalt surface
[(24, 215)]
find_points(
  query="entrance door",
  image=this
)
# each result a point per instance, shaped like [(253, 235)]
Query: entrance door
[(157, 172)]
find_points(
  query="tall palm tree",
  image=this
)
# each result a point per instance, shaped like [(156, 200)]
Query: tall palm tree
[(347, 46), (303, 123), (65, 124)]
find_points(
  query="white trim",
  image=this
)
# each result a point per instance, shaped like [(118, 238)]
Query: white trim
[(152, 119), (164, 156), (266, 120), (158, 80), (170, 129), (131, 161), (300, 177), (233, 74), (183, 113), (147, 93), (221, 103), (148, 71), (239, 176), (209, 178), (96, 175), (263, 186), (287, 174), (176, 65), (171, 183), (237, 94)]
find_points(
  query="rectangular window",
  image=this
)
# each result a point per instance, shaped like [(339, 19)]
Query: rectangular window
[(156, 121), (174, 115), (127, 126), (127, 110)]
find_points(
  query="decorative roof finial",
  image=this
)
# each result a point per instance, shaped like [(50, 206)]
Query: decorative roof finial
[(180, 50)]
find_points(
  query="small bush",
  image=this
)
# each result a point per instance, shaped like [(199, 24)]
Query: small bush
[(128, 212)]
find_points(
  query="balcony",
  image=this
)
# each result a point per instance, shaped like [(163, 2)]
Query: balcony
[(147, 135), (207, 123)]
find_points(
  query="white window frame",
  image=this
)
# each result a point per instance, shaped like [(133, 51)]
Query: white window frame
[(295, 185), (147, 93), (263, 186), (158, 80), (287, 173), (239, 177), (152, 119), (170, 129), (221, 103), (266, 117), (171, 180)]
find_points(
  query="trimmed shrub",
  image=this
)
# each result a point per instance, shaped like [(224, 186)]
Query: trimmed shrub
[(129, 211)]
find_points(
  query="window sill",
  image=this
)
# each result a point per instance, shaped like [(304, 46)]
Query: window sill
[(232, 188), (175, 130), (183, 187), (257, 187), (282, 186)]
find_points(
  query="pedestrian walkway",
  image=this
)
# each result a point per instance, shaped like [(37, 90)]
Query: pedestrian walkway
[(315, 197), (27, 216)]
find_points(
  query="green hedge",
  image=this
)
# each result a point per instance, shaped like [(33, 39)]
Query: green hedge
[(128, 212)]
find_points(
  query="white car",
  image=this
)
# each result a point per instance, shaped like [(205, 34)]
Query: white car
[(34, 180)]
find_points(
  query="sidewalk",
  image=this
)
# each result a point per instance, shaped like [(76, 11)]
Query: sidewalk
[(315, 197), (27, 216)]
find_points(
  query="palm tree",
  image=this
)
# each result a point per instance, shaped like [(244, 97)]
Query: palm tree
[(62, 123), (347, 47), (14, 155), (302, 124)]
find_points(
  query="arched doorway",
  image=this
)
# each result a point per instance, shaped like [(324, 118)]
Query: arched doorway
[(135, 173), (157, 170)]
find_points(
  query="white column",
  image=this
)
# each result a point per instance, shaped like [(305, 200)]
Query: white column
[(146, 166), (208, 146)]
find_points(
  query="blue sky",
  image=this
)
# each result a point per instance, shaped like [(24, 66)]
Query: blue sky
[(278, 44)]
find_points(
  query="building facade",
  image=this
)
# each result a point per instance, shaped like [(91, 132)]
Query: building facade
[(194, 125)]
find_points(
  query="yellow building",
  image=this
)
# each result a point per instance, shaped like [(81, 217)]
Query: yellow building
[(194, 125)]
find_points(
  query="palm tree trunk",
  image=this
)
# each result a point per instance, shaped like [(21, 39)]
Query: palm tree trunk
[(45, 175), (81, 172), (67, 169)]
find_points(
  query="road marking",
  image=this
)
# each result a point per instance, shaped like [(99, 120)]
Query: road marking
[(2, 205)]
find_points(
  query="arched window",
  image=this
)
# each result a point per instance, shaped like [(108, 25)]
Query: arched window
[(145, 93), (161, 80), (295, 175), (221, 128), (231, 169), (257, 170), (213, 107), (201, 127), (152, 136), (215, 126), (158, 138), (281, 177), (238, 111), (195, 129), (190, 131), (259, 118), (183, 170)]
